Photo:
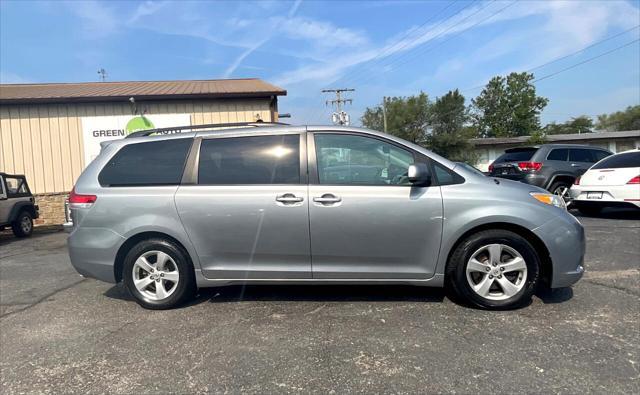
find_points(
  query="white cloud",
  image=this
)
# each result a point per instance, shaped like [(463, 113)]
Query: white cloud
[(97, 20), (319, 32), (566, 25)]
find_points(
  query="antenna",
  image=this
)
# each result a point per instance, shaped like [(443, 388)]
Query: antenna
[(339, 117), (103, 74)]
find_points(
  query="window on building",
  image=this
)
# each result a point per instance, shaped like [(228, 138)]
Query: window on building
[(146, 164), (345, 159), (251, 160)]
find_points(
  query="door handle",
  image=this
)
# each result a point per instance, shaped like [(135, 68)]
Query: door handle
[(574, 165), (289, 198), (327, 198)]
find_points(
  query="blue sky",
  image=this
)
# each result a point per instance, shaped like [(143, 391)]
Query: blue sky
[(380, 48)]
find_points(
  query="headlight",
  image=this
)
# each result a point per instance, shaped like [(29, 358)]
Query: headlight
[(548, 198)]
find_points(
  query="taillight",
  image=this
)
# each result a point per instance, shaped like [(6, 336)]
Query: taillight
[(491, 168), (77, 200), (634, 180), (577, 181), (535, 166)]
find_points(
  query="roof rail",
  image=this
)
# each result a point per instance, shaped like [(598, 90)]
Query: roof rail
[(145, 133)]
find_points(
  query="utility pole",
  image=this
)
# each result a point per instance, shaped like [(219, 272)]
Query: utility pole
[(103, 74), (339, 117), (384, 112)]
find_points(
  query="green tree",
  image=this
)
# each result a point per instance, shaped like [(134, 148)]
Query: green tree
[(448, 136), (508, 107), (628, 119), (407, 117), (537, 137), (581, 124)]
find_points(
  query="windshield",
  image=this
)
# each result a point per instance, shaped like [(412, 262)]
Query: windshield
[(628, 159), (520, 155)]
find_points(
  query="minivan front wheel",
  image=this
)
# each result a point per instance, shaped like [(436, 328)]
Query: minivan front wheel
[(494, 269), (158, 274)]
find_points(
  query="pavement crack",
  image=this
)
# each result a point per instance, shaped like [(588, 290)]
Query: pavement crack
[(42, 299), (611, 286)]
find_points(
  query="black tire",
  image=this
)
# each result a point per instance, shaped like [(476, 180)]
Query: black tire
[(185, 288), (23, 225), (590, 211), (456, 268), (557, 187)]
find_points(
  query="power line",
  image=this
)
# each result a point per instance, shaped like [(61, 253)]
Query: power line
[(368, 63), (584, 61), (426, 50), (388, 49), (455, 35), (584, 48), (564, 56), (405, 55)]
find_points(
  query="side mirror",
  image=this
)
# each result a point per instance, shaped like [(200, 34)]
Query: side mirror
[(419, 174)]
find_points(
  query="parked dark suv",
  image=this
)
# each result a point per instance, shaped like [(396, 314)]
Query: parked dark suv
[(17, 205), (553, 167)]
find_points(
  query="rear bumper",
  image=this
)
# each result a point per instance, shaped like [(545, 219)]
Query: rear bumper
[(609, 196), (93, 251), (565, 239)]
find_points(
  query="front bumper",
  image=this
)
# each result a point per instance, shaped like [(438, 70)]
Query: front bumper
[(565, 239)]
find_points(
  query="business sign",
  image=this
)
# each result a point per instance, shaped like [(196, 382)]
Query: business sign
[(104, 128)]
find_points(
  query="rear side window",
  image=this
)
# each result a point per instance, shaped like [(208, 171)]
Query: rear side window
[(520, 155), (558, 154), (16, 186), (254, 160), (628, 159), (147, 164), (599, 155), (580, 155)]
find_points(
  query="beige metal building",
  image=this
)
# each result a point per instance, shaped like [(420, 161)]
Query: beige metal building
[(49, 131)]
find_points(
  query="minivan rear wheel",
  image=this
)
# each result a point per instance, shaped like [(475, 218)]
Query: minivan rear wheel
[(494, 269), (158, 274)]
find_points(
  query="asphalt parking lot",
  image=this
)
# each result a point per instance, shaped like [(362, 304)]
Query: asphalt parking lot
[(60, 333)]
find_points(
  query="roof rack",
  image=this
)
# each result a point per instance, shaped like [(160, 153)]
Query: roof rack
[(145, 133)]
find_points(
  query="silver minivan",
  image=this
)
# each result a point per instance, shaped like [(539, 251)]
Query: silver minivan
[(169, 214)]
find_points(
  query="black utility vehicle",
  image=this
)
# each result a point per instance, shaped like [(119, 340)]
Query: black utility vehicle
[(553, 167)]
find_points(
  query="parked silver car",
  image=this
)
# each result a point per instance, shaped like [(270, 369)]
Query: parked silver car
[(317, 204)]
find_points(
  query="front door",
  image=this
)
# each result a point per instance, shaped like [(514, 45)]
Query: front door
[(248, 215), (367, 221)]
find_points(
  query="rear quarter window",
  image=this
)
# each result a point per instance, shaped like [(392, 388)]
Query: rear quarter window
[(558, 154), (629, 159), (147, 164)]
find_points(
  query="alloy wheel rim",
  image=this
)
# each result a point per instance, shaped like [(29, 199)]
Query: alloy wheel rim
[(155, 275), (496, 272), (562, 192), (25, 224)]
